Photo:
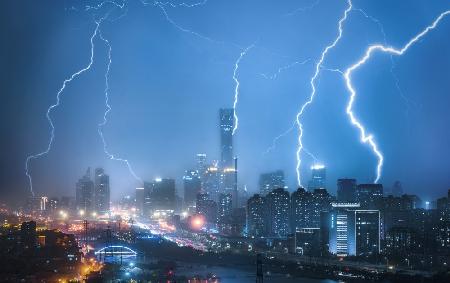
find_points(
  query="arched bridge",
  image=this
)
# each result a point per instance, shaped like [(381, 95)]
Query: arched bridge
[(116, 250)]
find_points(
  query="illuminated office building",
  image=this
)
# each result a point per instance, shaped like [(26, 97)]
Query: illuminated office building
[(352, 231)]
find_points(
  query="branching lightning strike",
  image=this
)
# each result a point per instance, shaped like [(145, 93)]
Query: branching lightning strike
[(407, 100), (183, 4), (97, 32), (237, 85), (108, 109), (302, 9), (58, 100), (284, 68), (313, 89), (368, 138), (162, 6)]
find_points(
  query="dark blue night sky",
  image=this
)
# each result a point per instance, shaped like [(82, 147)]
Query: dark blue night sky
[(167, 85)]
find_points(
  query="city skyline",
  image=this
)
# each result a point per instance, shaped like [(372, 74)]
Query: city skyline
[(165, 97)]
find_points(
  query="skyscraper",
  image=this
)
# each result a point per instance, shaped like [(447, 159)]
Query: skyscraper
[(271, 181), (278, 212), (102, 191), (318, 178), (256, 216), (85, 193), (226, 116), (192, 186), (346, 190)]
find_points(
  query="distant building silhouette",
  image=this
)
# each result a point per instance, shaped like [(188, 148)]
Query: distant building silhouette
[(271, 181), (159, 195), (397, 189), (140, 200), (346, 190), (192, 186)]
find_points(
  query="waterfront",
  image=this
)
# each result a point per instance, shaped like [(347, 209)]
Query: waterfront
[(232, 275)]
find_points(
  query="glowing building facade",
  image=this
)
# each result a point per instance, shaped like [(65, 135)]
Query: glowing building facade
[(352, 231)]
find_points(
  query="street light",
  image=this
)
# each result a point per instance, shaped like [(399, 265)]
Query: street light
[(63, 214)]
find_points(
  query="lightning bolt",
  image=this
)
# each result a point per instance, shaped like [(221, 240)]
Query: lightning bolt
[(237, 84), (284, 68), (181, 4), (108, 109), (162, 6), (409, 102), (275, 140), (302, 9), (100, 5), (67, 81), (58, 100), (364, 137), (313, 89)]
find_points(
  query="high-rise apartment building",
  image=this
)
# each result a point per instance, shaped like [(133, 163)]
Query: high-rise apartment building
[(278, 212), (85, 193), (301, 209), (102, 192), (256, 216)]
